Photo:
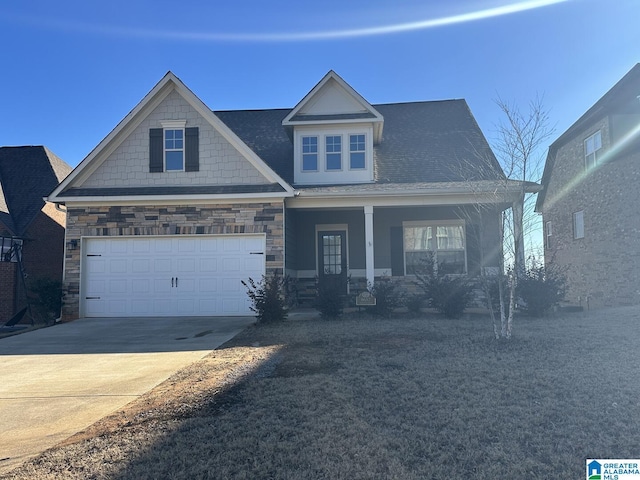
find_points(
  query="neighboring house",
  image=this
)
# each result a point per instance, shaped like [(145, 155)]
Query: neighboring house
[(31, 230), (590, 196), (178, 204)]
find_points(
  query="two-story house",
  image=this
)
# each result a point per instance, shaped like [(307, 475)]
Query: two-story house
[(31, 230), (590, 181), (179, 203)]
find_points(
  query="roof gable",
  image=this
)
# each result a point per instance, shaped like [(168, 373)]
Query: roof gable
[(333, 100), (170, 88), (27, 174), (628, 87)]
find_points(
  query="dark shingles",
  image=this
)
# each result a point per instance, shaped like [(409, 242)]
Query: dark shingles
[(27, 174), (263, 132), (421, 142)]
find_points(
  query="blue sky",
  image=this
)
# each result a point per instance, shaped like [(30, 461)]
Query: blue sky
[(71, 70)]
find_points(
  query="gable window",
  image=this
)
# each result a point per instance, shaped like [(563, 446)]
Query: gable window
[(356, 151), (444, 241), (309, 154), (333, 151), (549, 233), (578, 225), (592, 147), (174, 149), (10, 249)]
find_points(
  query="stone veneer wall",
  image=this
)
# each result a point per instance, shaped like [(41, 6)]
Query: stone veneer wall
[(167, 220)]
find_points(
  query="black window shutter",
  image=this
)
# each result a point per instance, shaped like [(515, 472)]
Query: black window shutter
[(156, 152), (397, 252), (191, 154)]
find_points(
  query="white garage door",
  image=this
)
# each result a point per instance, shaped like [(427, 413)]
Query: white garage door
[(170, 276)]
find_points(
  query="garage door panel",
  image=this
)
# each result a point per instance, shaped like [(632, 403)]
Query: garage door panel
[(119, 247), (141, 246), (96, 265), (209, 265), (118, 286), (208, 285), (162, 286), (254, 244), (132, 276), (118, 265), (231, 264), (141, 265), (187, 265), (162, 265), (187, 245)]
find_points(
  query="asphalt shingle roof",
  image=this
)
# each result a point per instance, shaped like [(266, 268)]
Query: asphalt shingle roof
[(26, 175), (422, 142)]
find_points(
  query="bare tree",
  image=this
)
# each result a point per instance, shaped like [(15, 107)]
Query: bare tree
[(520, 147)]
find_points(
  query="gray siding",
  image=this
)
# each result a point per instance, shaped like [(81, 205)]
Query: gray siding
[(220, 162)]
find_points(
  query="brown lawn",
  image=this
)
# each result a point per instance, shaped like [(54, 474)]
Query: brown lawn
[(371, 398)]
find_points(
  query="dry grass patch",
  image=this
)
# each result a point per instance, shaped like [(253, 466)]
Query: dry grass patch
[(370, 398)]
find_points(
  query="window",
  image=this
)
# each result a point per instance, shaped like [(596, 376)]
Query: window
[(174, 149), (578, 225), (310, 153), (444, 241), (333, 144), (10, 249), (549, 232), (592, 147), (356, 151)]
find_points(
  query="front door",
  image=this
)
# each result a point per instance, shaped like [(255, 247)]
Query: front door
[(332, 258)]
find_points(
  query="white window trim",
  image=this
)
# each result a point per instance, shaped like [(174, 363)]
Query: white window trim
[(326, 158), (302, 154), (349, 135), (165, 149), (435, 223), (322, 175), (549, 234), (595, 151), (578, 225)]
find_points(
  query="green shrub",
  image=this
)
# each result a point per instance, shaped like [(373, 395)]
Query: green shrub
[(448, 294), (388, 297), (541, 289), (330, 298), (268, 298), (47, 295)]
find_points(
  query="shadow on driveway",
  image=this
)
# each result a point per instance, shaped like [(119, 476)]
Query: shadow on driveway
[(56, 381), (126, 335)]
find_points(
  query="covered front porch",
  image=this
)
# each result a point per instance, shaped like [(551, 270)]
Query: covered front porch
[(353, 239)]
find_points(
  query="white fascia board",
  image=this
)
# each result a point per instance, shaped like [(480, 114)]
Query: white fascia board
[(173, 199), (406, 198)]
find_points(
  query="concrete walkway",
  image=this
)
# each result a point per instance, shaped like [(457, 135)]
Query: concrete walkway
[(57, 381)]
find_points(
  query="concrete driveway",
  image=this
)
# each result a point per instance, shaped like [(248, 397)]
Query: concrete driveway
[(57, 381)]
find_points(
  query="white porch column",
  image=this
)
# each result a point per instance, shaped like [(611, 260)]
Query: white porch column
[(368, 240)]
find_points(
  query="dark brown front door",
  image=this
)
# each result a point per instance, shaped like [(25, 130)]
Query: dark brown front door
[(332, 258)]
